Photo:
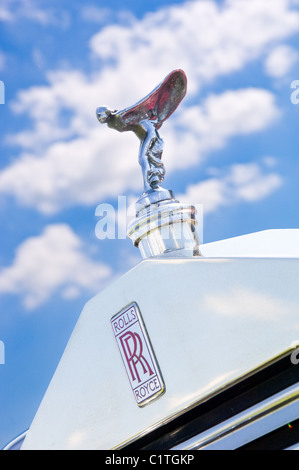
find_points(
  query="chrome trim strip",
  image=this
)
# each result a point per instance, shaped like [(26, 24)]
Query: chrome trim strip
[(246, 426), (294, 447), (204, 399)]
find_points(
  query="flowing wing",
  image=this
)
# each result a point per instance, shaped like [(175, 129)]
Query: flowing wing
[(160, 103)]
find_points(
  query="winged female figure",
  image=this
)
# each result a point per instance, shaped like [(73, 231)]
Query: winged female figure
[(145, 119)]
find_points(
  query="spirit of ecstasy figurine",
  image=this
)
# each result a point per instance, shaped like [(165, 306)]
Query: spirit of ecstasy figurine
[(145, 119), (163, 226)]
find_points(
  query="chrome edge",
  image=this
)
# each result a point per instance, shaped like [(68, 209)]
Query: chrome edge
[(16, 441), (206, 398), (283, 400)]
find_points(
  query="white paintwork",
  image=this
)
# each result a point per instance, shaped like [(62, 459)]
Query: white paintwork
[(266, 244), (210, 322)]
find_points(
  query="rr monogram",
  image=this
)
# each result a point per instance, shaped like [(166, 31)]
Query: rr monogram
[(133, 351), (137, 355)]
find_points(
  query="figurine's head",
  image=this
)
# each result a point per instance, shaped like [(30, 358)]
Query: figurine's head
[(103, 114)]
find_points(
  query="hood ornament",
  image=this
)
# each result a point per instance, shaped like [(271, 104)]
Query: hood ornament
[(163, 226)]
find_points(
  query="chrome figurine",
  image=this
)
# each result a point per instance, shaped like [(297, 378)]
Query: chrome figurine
[(145, 119)]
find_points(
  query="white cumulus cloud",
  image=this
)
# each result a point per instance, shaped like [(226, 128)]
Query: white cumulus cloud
[(95, 166), (51, 263), (15, 10), (66, 158), (219, 118), (207, 39), (247, 182), (280, 61)]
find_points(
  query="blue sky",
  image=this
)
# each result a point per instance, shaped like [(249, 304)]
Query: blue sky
[(232, 145)]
